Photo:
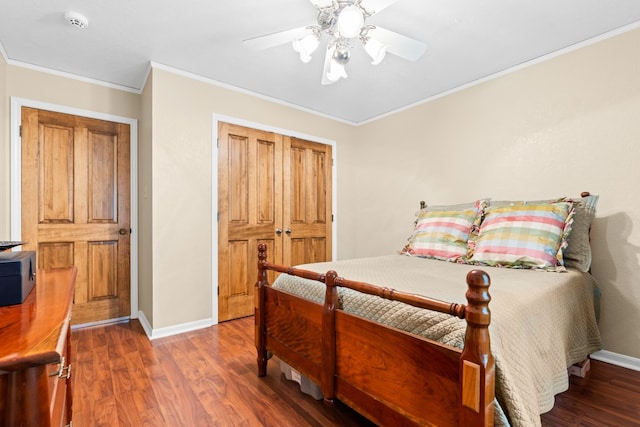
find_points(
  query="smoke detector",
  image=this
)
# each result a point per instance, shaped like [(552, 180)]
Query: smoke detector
[(76, 19)]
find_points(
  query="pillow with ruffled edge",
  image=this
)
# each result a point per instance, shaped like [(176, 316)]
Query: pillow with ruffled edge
[(578, 251), (524, 236), (503, 203), (442, 233)]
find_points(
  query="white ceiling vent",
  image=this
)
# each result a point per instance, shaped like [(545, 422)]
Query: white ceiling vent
[(76, 19)]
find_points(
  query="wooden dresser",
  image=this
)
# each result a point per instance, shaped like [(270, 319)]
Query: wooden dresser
[(35, 369)]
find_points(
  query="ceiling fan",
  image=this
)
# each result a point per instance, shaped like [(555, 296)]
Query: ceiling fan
[(343, 21)]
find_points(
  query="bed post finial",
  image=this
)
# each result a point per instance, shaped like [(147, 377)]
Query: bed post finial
[(262, 252), (259, 318), (477, 367)]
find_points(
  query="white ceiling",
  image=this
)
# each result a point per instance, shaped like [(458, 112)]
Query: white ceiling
[(467, 40)]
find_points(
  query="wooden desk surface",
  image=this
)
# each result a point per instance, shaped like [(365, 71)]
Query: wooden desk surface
[(33, 333)]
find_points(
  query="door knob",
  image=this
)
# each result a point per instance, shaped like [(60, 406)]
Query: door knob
[(123, 231), (288, 231), (279, 231)]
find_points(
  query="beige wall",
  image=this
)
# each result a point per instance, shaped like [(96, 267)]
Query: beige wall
[(50, 88), (145, 203), (553, 129)]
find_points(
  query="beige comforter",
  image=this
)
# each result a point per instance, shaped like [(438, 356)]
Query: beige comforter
[(541, 322)]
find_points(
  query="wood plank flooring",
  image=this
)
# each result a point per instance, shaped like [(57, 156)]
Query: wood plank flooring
[(208, 378), (609, 396)]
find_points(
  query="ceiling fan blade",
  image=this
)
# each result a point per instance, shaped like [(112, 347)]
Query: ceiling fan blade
[(321, 3), (327, 64), (276, 39), (397, 44), (375, 6)]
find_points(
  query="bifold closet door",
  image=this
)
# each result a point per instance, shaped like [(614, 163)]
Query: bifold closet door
[(250, 211), (272, 189), (307, 200)]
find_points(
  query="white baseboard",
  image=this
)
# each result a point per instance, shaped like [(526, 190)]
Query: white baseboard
[(99, 323), (617, 359), (145, 324), (153, 334)]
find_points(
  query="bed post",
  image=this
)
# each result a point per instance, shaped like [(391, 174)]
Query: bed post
[(476, 363), (259, 318), (329, 337)]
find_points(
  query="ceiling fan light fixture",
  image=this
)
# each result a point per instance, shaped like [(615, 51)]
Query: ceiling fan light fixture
[(306, 46), (336, 71), (376, 50), (343, 21), (350, 21)]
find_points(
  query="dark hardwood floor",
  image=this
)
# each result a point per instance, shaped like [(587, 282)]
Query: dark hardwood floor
[(208, 378)]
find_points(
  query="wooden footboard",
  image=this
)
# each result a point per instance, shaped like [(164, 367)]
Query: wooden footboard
[(390, 376)]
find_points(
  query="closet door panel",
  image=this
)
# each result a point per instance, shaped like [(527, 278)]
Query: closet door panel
[(307, 201), (249, 191)]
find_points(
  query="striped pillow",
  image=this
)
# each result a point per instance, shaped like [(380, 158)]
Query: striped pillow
[(524, 236), (442, 234)]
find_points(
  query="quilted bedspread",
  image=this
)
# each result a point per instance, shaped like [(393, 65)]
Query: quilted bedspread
[(541, 322)]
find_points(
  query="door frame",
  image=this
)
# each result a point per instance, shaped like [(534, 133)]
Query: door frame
[(216, 119), (16, 177)]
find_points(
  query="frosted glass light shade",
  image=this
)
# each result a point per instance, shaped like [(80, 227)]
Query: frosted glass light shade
[(336, 71), (350, 21), (306, 46), (376, 50)]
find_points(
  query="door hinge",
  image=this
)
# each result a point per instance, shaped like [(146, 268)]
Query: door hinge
[(331, 217), (20, 131), (218, 215), (217, 142), (218, 289)]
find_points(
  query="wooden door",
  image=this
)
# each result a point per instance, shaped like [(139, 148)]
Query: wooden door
[(307, 200), (272, 189), (75, 206), (250, 212)]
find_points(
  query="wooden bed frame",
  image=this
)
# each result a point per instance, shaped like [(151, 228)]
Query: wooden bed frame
[(390, 376)]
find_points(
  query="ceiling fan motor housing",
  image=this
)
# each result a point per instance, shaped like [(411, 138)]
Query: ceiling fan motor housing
[(326, 18)]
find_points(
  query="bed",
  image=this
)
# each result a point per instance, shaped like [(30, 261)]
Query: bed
[(490, 345)]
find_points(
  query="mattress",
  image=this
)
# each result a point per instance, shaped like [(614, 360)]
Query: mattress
[(541, 322)]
